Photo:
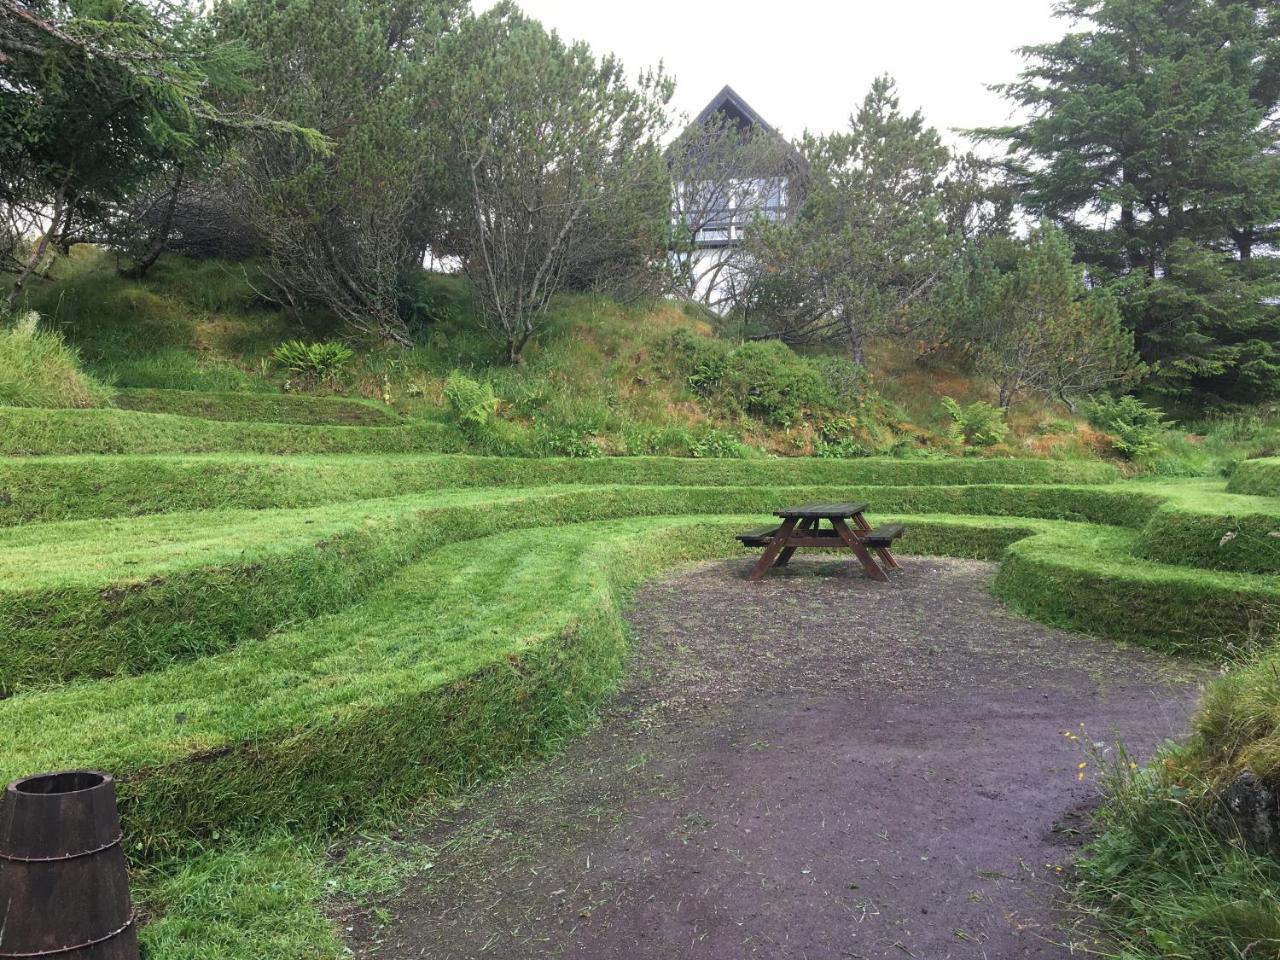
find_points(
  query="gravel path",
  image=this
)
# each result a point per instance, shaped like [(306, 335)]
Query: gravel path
[(814, 766)]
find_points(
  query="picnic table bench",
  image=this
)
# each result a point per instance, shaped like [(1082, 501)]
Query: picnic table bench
[(802, 527)]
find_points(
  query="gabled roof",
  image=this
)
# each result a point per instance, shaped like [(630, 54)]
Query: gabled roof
[(730, 103)]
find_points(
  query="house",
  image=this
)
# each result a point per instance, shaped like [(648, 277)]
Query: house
[(728, 167)]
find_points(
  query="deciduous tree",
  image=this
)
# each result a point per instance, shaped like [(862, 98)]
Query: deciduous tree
[(544, 140)]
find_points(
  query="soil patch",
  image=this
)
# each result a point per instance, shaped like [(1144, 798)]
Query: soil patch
[(814, 766)]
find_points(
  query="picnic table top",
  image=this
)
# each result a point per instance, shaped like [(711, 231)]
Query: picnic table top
[(822, 511)]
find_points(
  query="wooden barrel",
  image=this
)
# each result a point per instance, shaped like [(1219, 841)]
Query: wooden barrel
[(63, 888)]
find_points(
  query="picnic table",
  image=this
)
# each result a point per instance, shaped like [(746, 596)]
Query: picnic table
[(802, 527)]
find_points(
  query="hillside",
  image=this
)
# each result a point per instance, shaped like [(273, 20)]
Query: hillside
[(195, 340)]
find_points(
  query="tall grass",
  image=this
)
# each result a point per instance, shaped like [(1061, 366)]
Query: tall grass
[(38, 369), (1163, 886)]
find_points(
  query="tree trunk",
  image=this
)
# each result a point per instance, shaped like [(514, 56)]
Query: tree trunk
[(33, 262), (857, 340), (161, 239)]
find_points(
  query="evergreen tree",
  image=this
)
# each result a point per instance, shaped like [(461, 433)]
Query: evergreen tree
[(1041, 330), (1152, 139), (96, 97), (340, 228), (871, 240)]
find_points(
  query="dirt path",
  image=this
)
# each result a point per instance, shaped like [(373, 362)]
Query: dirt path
[(810, 767)]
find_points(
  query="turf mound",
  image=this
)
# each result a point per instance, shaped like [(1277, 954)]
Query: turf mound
[(1261, 478), (266, 407), (67, 488), (45, 432)]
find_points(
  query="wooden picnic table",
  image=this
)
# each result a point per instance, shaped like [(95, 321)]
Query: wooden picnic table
[(802, 527)]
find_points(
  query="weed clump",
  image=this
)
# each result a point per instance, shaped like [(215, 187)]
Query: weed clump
[(39, 369)]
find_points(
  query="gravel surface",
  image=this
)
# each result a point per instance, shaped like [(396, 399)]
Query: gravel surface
[(814, 766)]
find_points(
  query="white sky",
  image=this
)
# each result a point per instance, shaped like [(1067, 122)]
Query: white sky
[(806, 64)]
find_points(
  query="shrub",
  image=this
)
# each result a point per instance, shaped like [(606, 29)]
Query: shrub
[(473, 403), (770, 381), (848, 381), (1133, 426), (423, 302), (979, 424), (705, 360), (716, 444), (566, 442), (38, 369), (321, 361)]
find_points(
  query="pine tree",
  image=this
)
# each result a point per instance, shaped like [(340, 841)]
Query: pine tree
[(1151, 140)]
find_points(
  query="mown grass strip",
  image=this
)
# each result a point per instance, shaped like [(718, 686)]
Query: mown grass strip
[(1087, 578), (1260, 478), (484, 651), (96, 598), (265, 407), (50, 432), (71, 488)]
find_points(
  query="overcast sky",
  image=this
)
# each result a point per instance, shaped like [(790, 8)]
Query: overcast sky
[(806, 64)]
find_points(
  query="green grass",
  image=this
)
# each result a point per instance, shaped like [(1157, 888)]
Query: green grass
[(247, 407), (239, 901), (480, 653), (43, 432), (100, 597), (1162, 886), (1200, 525), (65, 488), (38, 369), (1261, 478)]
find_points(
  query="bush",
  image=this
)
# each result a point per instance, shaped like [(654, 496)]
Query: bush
[(424, 302), (848, 381), (770, 381), (1133, 426), (38, 369), (473, 403), (979, 424), (321, 361), (717, 444), (705, 360)]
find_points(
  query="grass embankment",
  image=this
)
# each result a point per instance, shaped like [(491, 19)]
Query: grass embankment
[(51, 432), (172, 584), (263, 407), (66, 488), (332, 605), (98, 597), (482, 651), (1260, 478)]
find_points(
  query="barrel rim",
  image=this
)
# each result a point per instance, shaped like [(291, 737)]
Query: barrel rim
[(16, 786)]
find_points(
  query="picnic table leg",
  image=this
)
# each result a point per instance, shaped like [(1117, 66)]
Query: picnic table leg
[(806, 526), (860, 522), (853, 543), (774, 548)]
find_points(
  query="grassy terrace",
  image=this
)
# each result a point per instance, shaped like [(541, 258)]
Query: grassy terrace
[(218, 629)]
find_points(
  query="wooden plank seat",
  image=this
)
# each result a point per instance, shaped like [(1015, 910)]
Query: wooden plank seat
[(883, 535), (758, 538)]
